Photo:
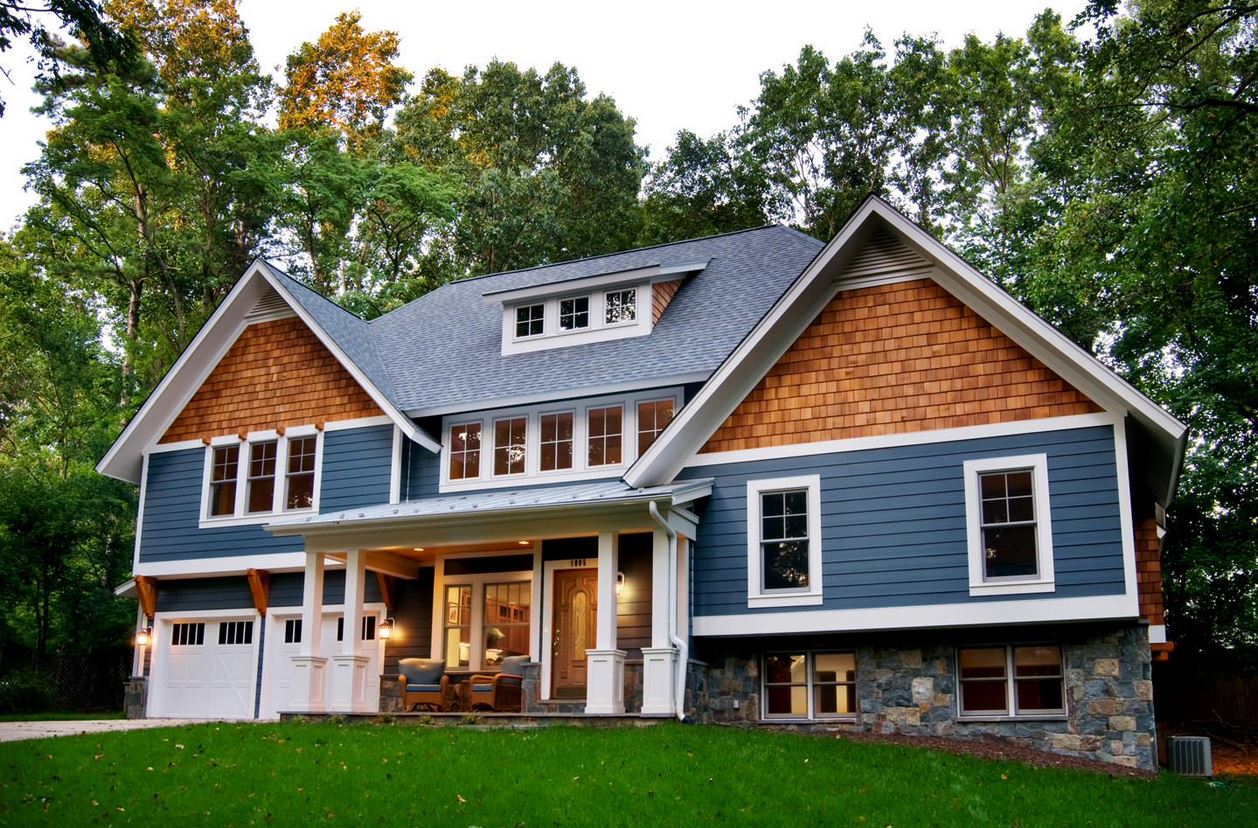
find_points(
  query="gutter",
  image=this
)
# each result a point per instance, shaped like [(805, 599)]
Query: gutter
[(683, 651)]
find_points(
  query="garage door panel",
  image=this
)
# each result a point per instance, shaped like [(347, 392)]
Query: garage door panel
[(201, 678)]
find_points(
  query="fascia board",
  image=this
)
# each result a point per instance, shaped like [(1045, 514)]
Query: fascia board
[(123, 459)]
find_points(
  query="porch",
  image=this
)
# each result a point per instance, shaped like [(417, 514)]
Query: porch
[(586, 584)]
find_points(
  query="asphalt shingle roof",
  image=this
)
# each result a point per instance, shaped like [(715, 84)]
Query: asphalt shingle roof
[(443, 351)]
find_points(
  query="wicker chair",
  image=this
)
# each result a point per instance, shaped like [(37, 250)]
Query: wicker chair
[(501, 692), (423, 683)]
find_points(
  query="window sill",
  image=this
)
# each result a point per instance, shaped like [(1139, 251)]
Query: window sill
[(1012, 587), (1030, 717), (252, 520), (808, 599)]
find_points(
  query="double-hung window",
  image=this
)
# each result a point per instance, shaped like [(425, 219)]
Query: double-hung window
[(270, 473), (653, 416), (784, 541), (465, 451), (810, 685), (1008, 525), (509, 445), (556, 441), (1017, 680), (604, 426), (223, 471)]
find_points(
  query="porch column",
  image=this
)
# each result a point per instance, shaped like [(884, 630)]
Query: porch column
[(309, 666), (659, 661), (605, 666), (349, 668)]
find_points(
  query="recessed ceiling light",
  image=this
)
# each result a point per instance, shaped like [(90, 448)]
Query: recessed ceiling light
[(525, 543), (419, 548)]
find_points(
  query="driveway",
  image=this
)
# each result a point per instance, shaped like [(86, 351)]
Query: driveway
[(15, 731)]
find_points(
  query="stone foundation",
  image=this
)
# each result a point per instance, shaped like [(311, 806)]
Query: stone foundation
[(135, 697), (909, 686)]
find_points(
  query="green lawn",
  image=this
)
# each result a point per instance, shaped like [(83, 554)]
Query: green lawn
[(392, 775)]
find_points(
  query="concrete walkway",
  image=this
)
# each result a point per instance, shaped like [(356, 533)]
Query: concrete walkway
[(15, 731)]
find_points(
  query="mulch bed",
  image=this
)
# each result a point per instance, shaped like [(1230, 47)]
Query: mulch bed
[(991, 747)]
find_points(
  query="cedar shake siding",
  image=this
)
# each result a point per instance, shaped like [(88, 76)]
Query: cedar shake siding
[(1149, 571), (891, 359), (277, 374), (893, 522), (661, 294)]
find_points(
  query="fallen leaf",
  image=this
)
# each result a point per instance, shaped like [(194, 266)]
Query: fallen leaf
[(459, 797)]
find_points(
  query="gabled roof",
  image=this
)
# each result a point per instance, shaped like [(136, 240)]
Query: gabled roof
[(340, 332), (795, 310)]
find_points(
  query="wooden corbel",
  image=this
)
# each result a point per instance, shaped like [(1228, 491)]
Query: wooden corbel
[(147, 587), (260, 586), (386, 591)]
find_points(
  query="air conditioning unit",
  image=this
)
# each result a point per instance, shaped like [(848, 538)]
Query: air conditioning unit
[(1190, 755)]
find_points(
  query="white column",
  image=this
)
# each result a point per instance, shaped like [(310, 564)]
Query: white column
[(349, 669), (309, 665), (659, 661), (605, 665)]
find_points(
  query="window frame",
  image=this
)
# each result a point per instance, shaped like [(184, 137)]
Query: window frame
[(572, 458), (529, 306), (606, 435), (279, 491), (757, 596), (560, 330), (1044, 579), (655, 434), (448, 452), (1010, 682), (495, 448), (477, 624), (810, 686), (606, 309)]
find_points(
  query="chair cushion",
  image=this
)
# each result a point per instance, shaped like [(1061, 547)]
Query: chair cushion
[(514, 665), (421, 670), (482, 688), (423, 688)]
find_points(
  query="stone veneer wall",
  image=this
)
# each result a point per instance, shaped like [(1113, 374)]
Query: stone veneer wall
[(908, 689)]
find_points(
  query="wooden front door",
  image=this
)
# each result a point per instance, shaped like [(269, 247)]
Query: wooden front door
[(574, 624)]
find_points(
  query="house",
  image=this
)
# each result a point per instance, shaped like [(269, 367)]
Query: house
[(748, 477)]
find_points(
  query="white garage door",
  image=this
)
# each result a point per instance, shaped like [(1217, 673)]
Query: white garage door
[(205, 669), (283, 641)]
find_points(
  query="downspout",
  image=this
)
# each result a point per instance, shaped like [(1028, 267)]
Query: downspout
[(683, 651)]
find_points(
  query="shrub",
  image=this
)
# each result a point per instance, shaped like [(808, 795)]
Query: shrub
[(26, 691)]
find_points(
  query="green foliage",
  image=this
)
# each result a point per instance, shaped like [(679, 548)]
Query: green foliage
[(25, 691)]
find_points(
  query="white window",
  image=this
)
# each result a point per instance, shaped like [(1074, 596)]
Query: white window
[(653, 417), (605, 428), (784, 541), (620, 306), (465, 451), (556, 441), (530, 320), (1008, 527), (574, 313), (266, 474), (1036, 688), (485, 618), (510, 440), (809, 685)]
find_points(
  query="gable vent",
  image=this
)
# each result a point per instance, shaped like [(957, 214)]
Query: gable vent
[(884, 259), (270, 306)]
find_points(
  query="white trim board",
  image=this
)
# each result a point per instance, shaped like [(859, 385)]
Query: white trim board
[(977, 614), (907, 438)]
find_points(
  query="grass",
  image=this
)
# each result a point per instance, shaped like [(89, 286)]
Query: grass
[(60, 717), (292, 774)]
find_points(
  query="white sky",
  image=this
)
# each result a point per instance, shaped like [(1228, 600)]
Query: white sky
[(670, 65)]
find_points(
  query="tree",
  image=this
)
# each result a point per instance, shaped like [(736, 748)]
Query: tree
[(82, 18), (702, 188), (346, 80)]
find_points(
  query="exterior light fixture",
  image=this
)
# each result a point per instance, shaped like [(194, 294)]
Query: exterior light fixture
[(144, 636), (385, 630), (620, 583)]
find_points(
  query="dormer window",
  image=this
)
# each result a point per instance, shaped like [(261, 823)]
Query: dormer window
[(621, 306), (530, 320), (574, 313), (595, 308)]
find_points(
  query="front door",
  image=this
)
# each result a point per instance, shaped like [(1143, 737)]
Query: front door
[(575, 617)]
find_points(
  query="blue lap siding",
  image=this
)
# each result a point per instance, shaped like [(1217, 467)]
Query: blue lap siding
[(356, 470), (193, 595), (893, 522)]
